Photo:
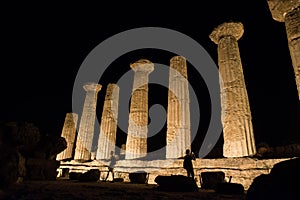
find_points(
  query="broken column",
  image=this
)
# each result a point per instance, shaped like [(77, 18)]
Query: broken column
[(178, 119), (136, 143), (69, 133), (86, 128), (288, 11), (109, 121), (236, 116)]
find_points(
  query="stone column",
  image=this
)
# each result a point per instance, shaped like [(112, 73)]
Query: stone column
[(69, 133), (288, 11), (178, 117), (136, 143), (109, 121), (236, 116), (123, 151), (87, 122)]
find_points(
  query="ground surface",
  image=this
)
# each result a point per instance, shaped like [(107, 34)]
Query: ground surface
[(67, 189)]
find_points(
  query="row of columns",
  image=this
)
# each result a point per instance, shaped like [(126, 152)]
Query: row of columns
[(236, 116), (178, 136)]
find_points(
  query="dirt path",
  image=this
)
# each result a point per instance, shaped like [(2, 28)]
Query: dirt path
[(73, 190)]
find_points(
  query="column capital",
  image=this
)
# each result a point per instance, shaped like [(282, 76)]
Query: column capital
[(112, 86), (179, 64), (178, 59), (111, 90), (235, 29), (279, 8), (142, 65), (92, 87)]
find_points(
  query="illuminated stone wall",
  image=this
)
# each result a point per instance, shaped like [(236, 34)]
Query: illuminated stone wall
[(136, 143), (87, 122), (178, 119), (236, 115), (242, 170), (289, 12), (69, 133), (109, 121)]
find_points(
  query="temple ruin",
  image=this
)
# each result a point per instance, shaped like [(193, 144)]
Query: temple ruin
[(239, 143)]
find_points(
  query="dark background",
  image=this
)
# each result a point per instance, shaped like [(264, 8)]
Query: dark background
[(43, 46)]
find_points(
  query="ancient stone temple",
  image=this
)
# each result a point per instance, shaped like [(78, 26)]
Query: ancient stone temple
[(178, 119), (136, 143), (288, 11), (238, 163), (69, 133), (236, 115), (109, 121), (87, 122)]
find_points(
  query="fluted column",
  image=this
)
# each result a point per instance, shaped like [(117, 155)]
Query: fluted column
[(109, 121), (86, 128), (136, 143), (178, 117), (236, 116), (288, 11), (69, 133)]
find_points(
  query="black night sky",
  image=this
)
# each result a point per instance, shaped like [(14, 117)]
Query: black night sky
[(43, 46)]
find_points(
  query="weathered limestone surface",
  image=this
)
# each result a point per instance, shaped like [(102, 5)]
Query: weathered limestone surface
[(69, 133), (123, 150), (136, 144), (288, 11), (279, 8), (87, 122), (178, 119), (109, 121), (242, 170), (236, 115)]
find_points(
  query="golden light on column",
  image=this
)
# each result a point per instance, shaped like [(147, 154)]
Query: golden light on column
[(109, 121), (86, 128), (136, 143), (178, 118), (236, 115), (288, 11), (69, 133)]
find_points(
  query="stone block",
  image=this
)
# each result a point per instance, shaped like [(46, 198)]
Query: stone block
[(92, 175), (229, 188), (209, 180), (176, 183), (138, 177)]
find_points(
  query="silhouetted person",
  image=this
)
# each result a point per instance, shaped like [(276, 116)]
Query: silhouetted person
[(187, 163), (111, 166)]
